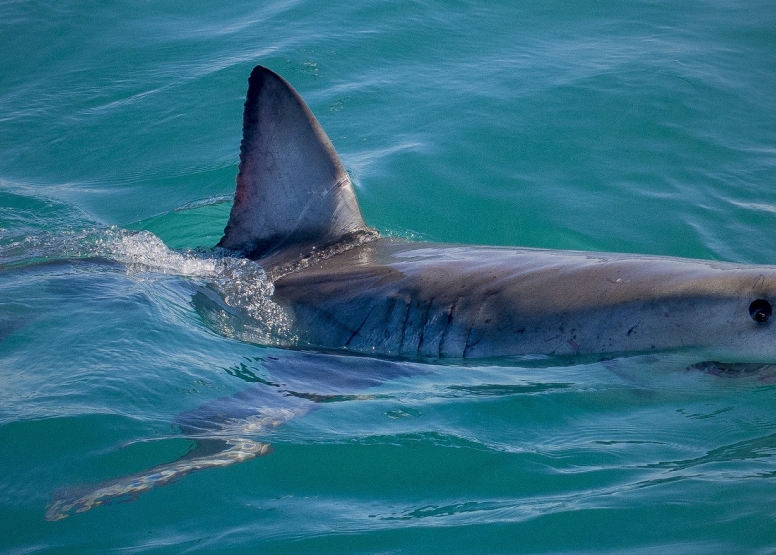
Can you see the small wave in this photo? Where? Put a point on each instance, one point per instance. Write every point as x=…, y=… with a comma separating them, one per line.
x=210, y=201
x=243, y=308
x=138, y=250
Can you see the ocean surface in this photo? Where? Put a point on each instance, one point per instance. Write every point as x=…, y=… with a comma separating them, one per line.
x=638, y=126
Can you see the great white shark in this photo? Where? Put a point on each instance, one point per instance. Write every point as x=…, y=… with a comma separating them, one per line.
x=348, y=289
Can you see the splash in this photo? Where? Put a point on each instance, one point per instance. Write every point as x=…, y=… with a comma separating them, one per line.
x=238, y=289
x=237, y=304
x=138, y=250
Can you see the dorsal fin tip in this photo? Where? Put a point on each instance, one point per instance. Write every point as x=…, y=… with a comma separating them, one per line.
x=291, y=185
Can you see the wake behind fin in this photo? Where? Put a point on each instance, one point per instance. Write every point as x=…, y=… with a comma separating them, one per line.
x=291, y=185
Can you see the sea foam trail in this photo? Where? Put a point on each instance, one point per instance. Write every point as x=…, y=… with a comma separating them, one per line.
x=232, y=294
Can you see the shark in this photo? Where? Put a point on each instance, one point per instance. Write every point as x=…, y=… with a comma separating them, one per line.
x=348, y=288
x=371, y=307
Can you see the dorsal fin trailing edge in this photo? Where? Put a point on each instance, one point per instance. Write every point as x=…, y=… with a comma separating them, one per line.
x=291, y=186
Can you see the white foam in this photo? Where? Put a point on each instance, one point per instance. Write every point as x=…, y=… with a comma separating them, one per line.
x=242, y=285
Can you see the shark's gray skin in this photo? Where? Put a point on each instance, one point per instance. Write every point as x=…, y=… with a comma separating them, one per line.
x=345, y=287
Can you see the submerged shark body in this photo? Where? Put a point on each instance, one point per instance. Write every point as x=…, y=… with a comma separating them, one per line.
x=345, y=287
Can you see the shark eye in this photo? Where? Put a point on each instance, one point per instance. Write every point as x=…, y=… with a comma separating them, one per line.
x=760, y=310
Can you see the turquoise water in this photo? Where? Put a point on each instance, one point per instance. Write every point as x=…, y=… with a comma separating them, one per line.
x=642, y=127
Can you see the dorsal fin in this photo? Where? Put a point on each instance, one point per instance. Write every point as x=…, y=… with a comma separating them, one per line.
x=291, y=186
